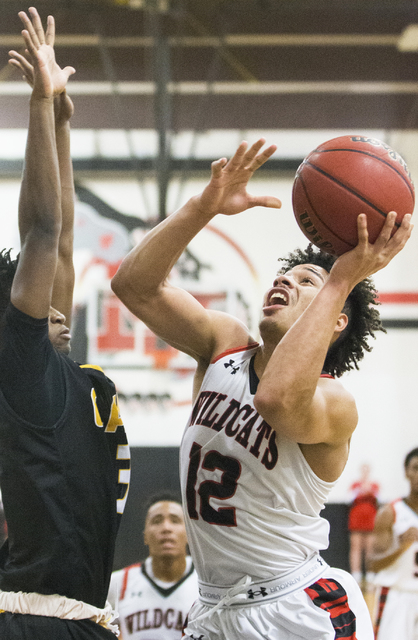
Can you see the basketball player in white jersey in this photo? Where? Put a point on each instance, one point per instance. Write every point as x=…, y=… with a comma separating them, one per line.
x=396, y=562
x=153, y=598
x=270, y=427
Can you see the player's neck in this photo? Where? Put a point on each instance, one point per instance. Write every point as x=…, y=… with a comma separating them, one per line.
x=412, y=501
x=168, y=569
x=262, y=357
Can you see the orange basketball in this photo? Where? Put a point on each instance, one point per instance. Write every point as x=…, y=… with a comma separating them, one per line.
x=344, y=177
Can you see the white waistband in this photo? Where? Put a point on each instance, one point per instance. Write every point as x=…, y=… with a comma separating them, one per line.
x=56, y=606
x=246, y=592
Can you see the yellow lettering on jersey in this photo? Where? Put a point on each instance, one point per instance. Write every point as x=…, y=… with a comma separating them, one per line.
x=115, y=420
x=97, y=418
x=123, y=453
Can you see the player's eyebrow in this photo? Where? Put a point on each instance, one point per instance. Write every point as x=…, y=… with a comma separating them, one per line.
x=317, y=273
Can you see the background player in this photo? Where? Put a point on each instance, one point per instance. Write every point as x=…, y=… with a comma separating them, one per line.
x=270, y=427
x=394, y=559
x=62, y=444
x=361, y=517
x=153, y=598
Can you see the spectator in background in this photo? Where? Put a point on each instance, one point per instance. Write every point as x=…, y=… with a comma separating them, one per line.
x=395, y=554
x=361, y=517
x=154, y=597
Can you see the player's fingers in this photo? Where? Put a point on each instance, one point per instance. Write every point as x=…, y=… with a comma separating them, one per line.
x=236, y=160
x=406, y=223
x=400, y=238
x=261, y=158
x=37, y=25
x=387, y=229
x=391, y=247
x=251, y=153
x=15, y=63
x=362, y=230
x=31, y=46
x=217, y=167
x=21, y=61
x=50, y=31
x=265, y=201
x=68, y=71
x=27, y=75
x=29, y=33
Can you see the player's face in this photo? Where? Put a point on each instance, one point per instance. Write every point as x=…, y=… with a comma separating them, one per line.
x=291, y=293
x=411, y=473
x=165, y=533
x=59, y=334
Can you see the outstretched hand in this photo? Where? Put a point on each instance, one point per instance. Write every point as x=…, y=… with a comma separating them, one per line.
x=366, y=259
x=63, y=105
x=39, y=66
x=227, y=190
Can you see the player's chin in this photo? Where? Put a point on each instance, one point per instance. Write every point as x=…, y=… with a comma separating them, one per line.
x=62, y=347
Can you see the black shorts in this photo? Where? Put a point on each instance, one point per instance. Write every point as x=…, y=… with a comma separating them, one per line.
x=16, y=626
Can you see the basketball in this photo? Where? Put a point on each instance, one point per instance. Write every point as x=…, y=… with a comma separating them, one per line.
x=344, y=177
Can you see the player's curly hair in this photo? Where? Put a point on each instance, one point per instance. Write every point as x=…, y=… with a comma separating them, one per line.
x=409, y=456
x=363, y=318
x=8, y=268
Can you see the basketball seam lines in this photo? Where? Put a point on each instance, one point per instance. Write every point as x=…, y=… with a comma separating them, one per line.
x=371, y=155
x=319, y=217
x=350, y=190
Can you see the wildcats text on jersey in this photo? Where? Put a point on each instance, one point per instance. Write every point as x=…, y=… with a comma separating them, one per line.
x=154, y=619
x=241, y=422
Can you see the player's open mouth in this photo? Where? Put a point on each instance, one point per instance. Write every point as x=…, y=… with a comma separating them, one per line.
x=278, y=298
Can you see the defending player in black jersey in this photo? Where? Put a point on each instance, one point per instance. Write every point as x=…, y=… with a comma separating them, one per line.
x=64, y=458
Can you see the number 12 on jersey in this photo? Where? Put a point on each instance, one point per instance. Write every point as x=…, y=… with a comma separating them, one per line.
x=207, y=489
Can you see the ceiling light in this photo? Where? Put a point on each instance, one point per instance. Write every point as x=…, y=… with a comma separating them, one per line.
x=408, y=40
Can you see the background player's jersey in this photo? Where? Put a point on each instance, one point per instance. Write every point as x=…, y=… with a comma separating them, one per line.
x=64, y=488
x=149, y=610
x=251, y=500
x=403, y=573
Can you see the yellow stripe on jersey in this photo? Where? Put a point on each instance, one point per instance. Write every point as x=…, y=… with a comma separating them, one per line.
x=91, y=366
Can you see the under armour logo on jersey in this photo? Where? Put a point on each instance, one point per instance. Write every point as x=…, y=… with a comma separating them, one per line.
x=261, y=592
x=231, y=364
x=197, y=638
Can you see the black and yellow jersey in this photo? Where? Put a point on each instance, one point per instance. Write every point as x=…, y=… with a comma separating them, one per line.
x=64, y=485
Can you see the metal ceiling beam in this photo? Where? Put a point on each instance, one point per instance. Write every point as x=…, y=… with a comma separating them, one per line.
x=150, y=88
x=232, y=40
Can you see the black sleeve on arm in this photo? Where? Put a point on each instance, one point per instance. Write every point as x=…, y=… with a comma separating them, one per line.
x=31, y=378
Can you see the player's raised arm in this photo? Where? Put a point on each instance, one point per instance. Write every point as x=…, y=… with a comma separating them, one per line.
x=291, y=396
x=141, y=281
x=40, y=218
x=62, y=294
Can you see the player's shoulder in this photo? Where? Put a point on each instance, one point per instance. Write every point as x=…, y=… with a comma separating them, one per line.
x=96, y=374
x=386, y=515
x=336, y=393
x=93, y=370
x=229, y=333
x=118, y=573
x=120, y=577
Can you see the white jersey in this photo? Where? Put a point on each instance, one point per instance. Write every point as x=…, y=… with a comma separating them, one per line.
x=150, y=609
x=403, y=573
x=250, y=498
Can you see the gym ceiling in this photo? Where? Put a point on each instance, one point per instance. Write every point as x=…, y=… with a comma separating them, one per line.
x=228, y=64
